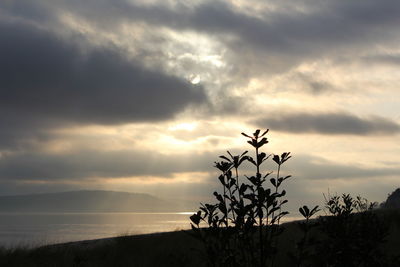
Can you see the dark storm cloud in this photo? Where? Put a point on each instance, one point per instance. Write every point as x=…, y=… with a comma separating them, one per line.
x=46, y=81
x=329, y=123
x=44, y=75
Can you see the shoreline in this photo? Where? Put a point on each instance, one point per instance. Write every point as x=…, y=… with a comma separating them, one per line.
x=171, y=248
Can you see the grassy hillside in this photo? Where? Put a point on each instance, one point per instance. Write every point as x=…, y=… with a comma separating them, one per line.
x=162, y=249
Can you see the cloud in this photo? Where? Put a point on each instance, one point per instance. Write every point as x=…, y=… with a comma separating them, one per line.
x=387, y=58
x=329, y=123
x=86, y=164
x=64, y=63
x=321, y=21
x=48, y=81
x=316, y=168
x=297, y=31
x=254, y=43
x=313, y=85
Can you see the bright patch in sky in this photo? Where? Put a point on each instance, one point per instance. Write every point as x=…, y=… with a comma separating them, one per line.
x=195, y=79
x=183, y=126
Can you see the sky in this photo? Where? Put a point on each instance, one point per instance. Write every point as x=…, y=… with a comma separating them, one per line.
x=143, y=96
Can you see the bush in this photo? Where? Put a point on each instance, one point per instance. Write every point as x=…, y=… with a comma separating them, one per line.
x=243, y=226
x=352, y=234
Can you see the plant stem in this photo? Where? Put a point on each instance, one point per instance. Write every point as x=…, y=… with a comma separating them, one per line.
x=226, y=211
x=260, y=223
x=230, y=195
x=277, y=177
x=273, y=214
x=237, y=183
x=303, y=243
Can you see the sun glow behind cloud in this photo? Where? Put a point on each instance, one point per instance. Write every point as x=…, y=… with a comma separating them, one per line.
x=183, y=126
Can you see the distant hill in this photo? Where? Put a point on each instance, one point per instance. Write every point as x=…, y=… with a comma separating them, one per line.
x=87, y=201
x=393, y=200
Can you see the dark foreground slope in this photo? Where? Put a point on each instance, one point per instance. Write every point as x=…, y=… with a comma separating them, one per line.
x=162, y=249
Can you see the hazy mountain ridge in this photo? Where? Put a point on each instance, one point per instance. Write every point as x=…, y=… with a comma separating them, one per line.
x=87, y=201
x=393, y=200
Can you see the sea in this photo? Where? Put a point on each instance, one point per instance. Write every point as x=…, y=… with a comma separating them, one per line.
x=37, y=229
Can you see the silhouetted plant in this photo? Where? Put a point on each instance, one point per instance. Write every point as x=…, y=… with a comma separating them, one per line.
x=304, y=247
x=242, y=227
x=353, y=234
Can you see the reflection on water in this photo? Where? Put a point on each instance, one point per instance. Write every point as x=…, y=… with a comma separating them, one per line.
x=45, y=228
x=32, y=229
